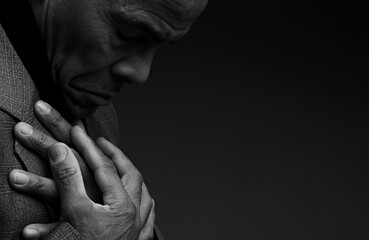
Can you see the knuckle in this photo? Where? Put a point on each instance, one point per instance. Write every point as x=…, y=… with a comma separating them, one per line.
x=39, y=184
x=146, y=207
x=137, y=176
x=64, y=175
x=134, y=183
x=119, y=154
x=133, y=178
x=107, y=164
x=41, y=139
x=149, y=204
x=56, y=119
x=108, y=169
x=128, y=211
x=136, y=193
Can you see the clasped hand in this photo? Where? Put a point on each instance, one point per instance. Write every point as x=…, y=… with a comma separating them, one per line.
x=102, y=195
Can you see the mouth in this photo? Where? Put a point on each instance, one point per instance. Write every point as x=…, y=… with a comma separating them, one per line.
x=95, y=93
x=81, y=102
x=94, y=89
x=83, y=91
x=90, y=97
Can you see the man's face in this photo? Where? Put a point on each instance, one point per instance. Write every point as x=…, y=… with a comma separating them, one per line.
x=95, y=46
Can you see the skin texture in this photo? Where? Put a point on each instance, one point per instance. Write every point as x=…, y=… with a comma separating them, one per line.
x=124, y=210
x=95, y=46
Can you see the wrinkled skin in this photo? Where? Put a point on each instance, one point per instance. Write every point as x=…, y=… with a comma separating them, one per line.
x=101, y=193
x=95, y=46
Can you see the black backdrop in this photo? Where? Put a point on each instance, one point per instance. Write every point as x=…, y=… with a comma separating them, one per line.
x=256, y=125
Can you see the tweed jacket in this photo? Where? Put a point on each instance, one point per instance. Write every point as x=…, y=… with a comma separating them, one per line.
x=17, y=97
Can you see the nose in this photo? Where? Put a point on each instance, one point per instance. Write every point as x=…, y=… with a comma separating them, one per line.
x=136, y=67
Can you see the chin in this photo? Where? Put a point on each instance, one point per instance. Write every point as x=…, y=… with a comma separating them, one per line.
x=77, y=104
x=78, y=113
x=72, y=112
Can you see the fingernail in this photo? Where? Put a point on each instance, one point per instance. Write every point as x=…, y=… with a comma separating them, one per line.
x=43, y=107
x=25, y=129
x=58, y=153
x=20, y=178
x=32, y=233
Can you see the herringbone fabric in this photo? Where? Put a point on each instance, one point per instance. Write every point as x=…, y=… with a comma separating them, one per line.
x=17, y=96
x=64, y=231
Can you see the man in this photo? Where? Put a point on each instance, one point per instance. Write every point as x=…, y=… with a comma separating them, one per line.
x=86, y=52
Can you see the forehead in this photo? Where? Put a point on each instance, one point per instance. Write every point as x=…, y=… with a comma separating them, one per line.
x=168, y=20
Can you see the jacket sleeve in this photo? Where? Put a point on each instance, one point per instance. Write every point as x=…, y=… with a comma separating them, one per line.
x=63, y=231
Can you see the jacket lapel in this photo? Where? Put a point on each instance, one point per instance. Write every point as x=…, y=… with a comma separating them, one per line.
x=17, y=90
x=17, y=97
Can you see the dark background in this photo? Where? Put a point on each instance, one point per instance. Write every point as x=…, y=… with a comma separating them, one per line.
x=256, y=125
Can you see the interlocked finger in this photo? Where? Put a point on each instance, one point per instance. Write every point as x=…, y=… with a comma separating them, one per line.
x=35, y=185
x=121, y=162
x=146, y=204
x=53, y=121
x=147, y=232
x=33, y=138
x=130, y=176
x=67, y=174
x=105, y=173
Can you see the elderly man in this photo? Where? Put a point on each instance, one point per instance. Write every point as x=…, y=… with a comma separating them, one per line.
x=86, y=51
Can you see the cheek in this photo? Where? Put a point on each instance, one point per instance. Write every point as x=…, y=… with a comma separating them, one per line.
x=91, y=46
x=84, y=42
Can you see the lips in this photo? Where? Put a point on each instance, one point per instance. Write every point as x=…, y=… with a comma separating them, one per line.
x=92, y=94
x=95, y=89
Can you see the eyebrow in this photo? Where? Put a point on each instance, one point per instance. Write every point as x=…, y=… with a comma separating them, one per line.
x=156, y=27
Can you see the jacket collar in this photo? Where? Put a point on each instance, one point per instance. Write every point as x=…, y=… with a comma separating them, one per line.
x=17, y=90
x=23, y=43
x=17, y=97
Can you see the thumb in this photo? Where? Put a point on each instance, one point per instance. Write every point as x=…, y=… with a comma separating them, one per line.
x=67, y=174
